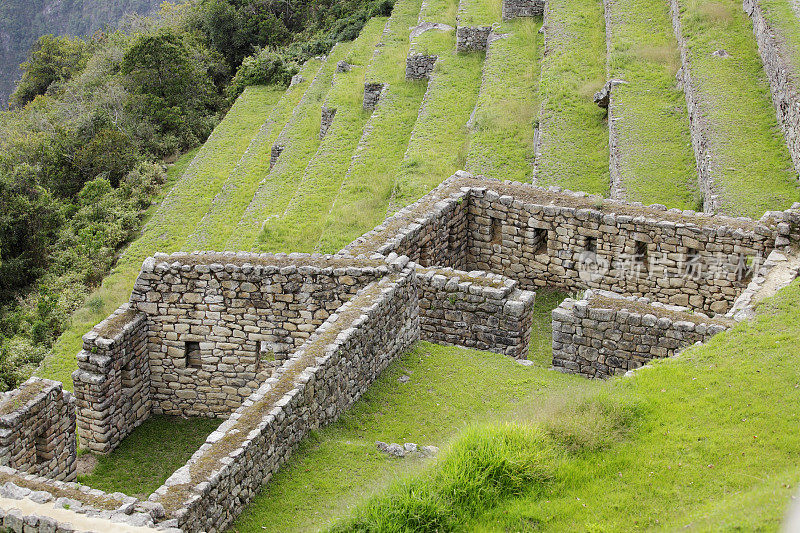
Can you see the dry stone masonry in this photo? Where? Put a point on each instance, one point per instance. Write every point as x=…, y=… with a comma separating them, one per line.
x=328, y=114
x=782, y=74
x=522, y=8
x=281, y=344
x=472, y=38
x=275, y=153
x=37, y=430
x=372, y=95
x=604, y=334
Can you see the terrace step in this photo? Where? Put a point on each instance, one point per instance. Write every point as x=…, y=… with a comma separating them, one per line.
x=501, y=127
x=299, y=226
x=651, y=159
x=572, y=138
x=745, y=168
x=300, y=140
x=229, y=204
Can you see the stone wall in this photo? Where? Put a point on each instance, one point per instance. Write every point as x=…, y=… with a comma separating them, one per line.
x=472, y=38
x=420, y=66
x=698, y=125
x=219, y=324
x=328, y=114
x=573, y=241
x=32, y=503
x=37, y=430
x=112, y=382
x=372, y=95
x=275, y=153
x=782, y=75
x=522, y=8
x=606, y=334
x=476, y=310
x=321, y=380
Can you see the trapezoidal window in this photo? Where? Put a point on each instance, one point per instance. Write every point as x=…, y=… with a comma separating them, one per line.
x=266, y=353
x=496, y=233
x=640, y=254
x=539, y=241
x=193, y=359
x=591, y=245
x=44, y=450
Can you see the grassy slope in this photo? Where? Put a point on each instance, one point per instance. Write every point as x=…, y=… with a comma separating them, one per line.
x=574, y=136
x=340, y=466
x=149, y=455
x=169, y=225
x=439, y=141
x=501, y=136
x=786, y=23
x=705, y=442
x=751, y=168
x=362, y=200
x=220, y=220
x=300, y=225
x=479, y=12
x=301, y=140
x=657, y=162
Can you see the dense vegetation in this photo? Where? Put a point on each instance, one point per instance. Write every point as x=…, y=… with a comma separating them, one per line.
x=23, y=21
x=82, y=151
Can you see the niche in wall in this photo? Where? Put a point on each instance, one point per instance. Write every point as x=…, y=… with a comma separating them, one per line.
x=193, y=359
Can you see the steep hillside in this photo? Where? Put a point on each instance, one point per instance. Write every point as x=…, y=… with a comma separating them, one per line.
x=22, y=22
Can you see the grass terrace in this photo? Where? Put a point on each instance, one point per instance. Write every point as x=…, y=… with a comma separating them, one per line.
x=656, y=160
x=300, y=225
x=438, y=144
x=362, y=200
x=300, y=138
x=573, y=131
x=502, y=125
x=221, y=219
x=783, y=16
x=752, y=170
x=479, y=12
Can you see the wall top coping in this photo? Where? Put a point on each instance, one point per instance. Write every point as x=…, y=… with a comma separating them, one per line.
x=477, y=277
x=266, y=403
x=115, y=326
x=17, y=403
x=245, y=262
x=462, y=185
x=600, y=299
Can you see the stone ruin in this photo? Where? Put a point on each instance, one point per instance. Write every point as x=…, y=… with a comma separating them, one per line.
x=280, y=344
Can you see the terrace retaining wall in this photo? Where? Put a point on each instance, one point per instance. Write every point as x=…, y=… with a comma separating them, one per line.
x=321, y=380
x=782, y=76
x=37, y=429
x=606, y=334
x=472, y=38
x=372, y=95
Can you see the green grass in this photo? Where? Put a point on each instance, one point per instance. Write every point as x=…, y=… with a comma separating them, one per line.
x=656, y=163
x=501, y=136
x=149, y=455
x=704, y=442
x=300, y=225
x=574, y=135
x=438, y=144
x=751, y=168
x=479, y=12
x=300, y=137
x=362, y=200
x=339, y=466
x=443, y=11
x=216, y=226
x=783, y=19
x=168, y=226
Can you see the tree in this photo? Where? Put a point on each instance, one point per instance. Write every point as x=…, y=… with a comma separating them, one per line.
x=53, y=59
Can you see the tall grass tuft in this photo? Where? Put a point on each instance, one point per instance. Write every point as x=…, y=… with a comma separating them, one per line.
x=487, y=465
